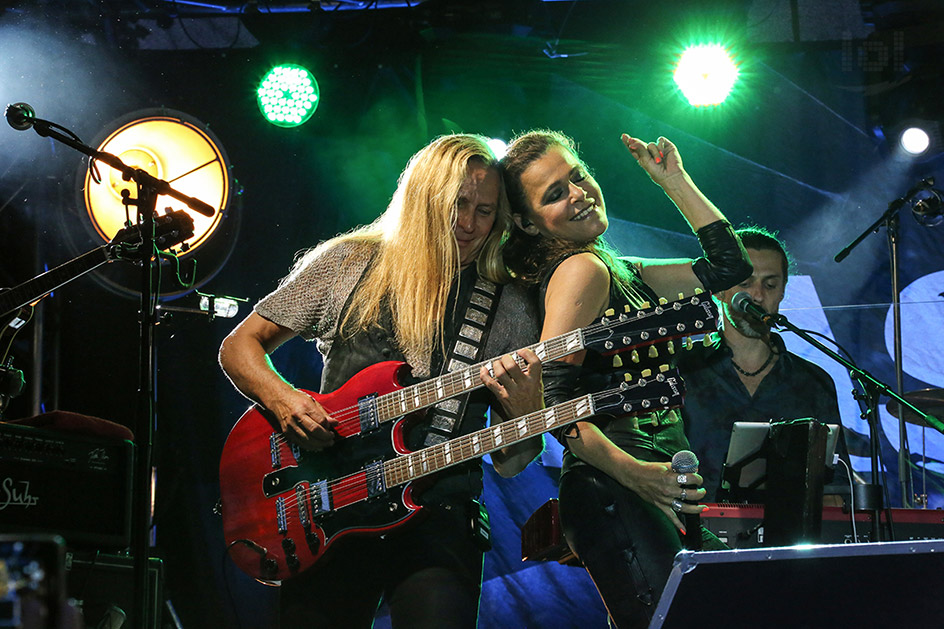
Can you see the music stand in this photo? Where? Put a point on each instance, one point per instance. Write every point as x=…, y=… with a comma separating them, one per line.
x=744, y=473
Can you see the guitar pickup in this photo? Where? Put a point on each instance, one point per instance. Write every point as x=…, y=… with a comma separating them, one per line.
x=367, y=412
x=320, y=498
x=374, y=479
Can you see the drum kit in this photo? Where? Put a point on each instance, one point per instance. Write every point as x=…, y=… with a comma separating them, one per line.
x=931, y=401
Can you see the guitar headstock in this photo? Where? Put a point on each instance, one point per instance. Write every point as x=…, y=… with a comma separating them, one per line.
x=170, y=230
x=643, y=392
x=619, y=332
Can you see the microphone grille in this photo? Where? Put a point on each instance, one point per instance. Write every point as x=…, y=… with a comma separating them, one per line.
x=740, y=300
x=684, y=461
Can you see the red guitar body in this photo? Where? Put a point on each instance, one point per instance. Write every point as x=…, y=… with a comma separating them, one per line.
x=274, y=524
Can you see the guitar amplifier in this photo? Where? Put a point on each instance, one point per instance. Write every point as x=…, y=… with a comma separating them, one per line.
x=99, y=583
x=68, y=484
x=742, y=525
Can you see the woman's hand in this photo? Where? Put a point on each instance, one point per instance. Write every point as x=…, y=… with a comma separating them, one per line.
x=658, y=484
x=660, y=159
x=519, y=391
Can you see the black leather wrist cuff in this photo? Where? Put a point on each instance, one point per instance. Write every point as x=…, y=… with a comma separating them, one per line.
x=725, y=262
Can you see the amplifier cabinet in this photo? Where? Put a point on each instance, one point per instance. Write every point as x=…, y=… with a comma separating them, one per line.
x=741, y=525
x=100, y=582
x=67, y=484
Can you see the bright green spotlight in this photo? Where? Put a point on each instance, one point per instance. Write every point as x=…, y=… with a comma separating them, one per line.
x=288, y=95
x=705, y=74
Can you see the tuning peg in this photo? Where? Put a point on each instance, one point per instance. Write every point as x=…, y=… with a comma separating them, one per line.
x=698, y=291
x=617, y=361
x=634, y=356
x=609, y=312
x=627, y=308
x=653, y=352
x=645, y=305
x=645, y=373
x=663, y=368
x=663, y=301
x=670, y=347
x=681, y=296
x=687, y=343
x=706, y=340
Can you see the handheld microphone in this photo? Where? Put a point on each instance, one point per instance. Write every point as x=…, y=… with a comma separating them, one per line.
x=742, y=302
x=20, y=116
x=685, y=462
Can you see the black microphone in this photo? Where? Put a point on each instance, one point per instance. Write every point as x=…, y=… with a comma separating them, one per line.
x=20, y=116
x=685, y=462
x=742, y=302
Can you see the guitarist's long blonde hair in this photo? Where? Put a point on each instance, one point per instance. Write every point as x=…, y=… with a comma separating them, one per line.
x=418, y=256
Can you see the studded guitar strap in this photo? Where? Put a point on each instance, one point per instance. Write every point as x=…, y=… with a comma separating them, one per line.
x=468, y=349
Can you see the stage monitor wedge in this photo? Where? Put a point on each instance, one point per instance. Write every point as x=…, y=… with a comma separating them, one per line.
x=889, y=584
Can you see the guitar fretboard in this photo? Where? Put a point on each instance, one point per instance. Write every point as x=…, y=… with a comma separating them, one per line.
x=434, y=458
x=429, y=392
x=45, y=283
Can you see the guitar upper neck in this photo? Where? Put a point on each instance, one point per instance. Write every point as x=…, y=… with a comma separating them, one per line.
x=429, y=392
x=43, y=284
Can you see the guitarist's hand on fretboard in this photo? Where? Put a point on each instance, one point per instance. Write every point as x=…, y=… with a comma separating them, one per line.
x=519, y=391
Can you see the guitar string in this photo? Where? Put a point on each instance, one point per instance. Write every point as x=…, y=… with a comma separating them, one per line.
x=355, y=483
x=397, y=469
x=354, y=493
x=349, y=416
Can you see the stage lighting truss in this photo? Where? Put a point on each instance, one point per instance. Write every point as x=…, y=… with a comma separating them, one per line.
x=288, y=95
x=171, y=146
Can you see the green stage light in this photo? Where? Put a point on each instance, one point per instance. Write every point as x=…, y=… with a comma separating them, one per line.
x=705, y=74
x=288, y=95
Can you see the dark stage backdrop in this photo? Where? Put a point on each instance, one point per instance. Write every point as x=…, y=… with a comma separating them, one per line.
x=795, y=154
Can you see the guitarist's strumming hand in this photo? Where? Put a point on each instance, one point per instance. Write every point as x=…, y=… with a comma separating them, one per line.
x=304, y=421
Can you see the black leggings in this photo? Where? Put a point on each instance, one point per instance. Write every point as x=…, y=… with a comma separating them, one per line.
x=626, y=544
x=430, y=577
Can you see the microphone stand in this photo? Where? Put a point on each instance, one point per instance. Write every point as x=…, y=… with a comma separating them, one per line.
x=148, y=189
x=871, y=494
x=890, y=220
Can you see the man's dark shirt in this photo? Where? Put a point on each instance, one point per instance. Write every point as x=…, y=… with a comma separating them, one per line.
x=716, y=398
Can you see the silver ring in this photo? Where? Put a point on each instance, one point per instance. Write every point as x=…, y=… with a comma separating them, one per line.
x=676, y=506
x=682, y=479
x=684, y=495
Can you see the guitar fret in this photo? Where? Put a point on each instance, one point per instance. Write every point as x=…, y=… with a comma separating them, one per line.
x=549, y=416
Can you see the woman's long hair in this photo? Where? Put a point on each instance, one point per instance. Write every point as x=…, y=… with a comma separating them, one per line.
x=417, y=255
x=529, y=257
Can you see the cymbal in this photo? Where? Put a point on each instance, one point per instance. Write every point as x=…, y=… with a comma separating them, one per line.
x=928, y=400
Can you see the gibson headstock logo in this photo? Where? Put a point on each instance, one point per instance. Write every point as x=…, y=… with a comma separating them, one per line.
x=15, y=493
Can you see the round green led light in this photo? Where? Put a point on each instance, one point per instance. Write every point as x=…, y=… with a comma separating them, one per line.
x=288, y=95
